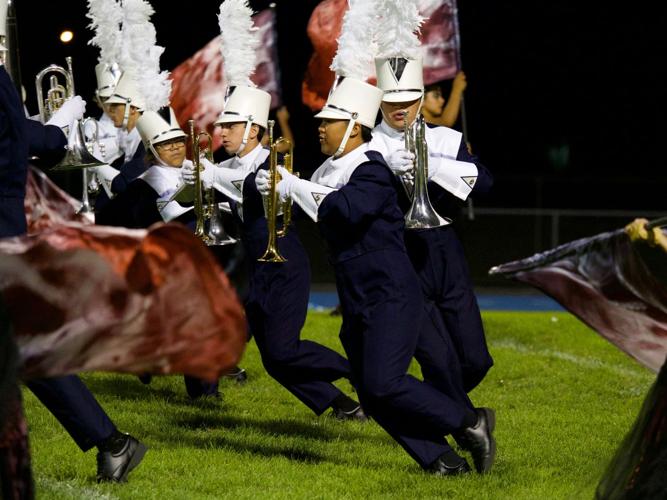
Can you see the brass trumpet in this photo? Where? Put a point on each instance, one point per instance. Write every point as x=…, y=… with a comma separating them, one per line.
x=421, y=214
x=271, y=204
x=216, y=234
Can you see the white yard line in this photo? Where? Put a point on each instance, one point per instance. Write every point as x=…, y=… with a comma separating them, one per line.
x=585, y=362
x=73, y=491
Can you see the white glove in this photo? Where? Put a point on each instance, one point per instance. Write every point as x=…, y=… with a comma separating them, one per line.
x=72, y=109
x=285, y=184
x=207, y=175
x=401, y=161
x=263, y=182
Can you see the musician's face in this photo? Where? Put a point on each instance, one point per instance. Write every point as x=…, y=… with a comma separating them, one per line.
x=434, y=102
x=232, y=137
x=331, y=134
x=117, y=113
x=395, y=113
x=172, y=152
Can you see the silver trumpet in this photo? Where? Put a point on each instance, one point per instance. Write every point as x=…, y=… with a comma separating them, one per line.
x=421, y=215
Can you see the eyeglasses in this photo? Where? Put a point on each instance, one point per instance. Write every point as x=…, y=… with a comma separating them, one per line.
x=169, y=146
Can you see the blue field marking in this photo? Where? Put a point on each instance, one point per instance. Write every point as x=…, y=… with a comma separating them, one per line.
x=487, y=302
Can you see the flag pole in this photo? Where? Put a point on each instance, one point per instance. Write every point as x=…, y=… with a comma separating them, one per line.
x=660, y=222
x=464, y=118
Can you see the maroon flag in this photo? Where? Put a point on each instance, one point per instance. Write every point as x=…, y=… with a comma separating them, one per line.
x=47, y=205
x=199, y=86
x=84, y=297
x=439, y=37
x=616, y=286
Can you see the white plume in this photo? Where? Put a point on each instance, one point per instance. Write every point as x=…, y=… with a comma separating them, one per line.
x=140, y=55
x=106, y=17
x=239, y=41
x=356, y=43
x=400, y=21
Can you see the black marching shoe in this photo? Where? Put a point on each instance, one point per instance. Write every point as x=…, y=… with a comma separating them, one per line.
x=346, y=408
x=354, y=414
x=237, y=374
x=115, y=465
x=479, y=440
x=449, y=466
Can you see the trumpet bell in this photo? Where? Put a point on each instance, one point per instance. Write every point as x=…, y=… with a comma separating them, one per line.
x=217, y=236
x=421, y=216
x=272, y=255
x=77, y=155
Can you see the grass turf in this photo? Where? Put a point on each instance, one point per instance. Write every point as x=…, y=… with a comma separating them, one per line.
x=564, y=400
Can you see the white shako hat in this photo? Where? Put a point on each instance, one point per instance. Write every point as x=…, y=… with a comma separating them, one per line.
x=400, y=78
x=127, y=92
x=246, y=104
x=354, y=100
x=107, y=79
x=159, y=126
x=3, y=20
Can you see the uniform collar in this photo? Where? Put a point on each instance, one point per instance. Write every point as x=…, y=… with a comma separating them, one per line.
x=248, y=162
x=389, y=131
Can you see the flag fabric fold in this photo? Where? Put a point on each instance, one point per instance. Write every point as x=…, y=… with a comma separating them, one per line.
x=616, y=286
x=83, y=297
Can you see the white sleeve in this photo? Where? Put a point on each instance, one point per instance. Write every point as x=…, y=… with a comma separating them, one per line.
x=457, y=177
x=229, y=182
x=308, y=195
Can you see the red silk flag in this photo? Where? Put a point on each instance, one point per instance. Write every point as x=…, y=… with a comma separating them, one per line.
x=439, y=37
x=84, y=297
x=616, y=286
x=198, y=90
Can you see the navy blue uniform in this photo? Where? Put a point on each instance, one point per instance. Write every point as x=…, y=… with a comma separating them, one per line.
x=136, y=207
x=276, y=309
x=67, y=398
x=383, y=311
x=438, y=258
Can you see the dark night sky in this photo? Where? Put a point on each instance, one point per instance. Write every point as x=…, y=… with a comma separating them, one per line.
x=564, y=103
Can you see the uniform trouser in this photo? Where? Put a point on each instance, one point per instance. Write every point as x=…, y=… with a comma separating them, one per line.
x=276, y=316
x=383, y=312
x=75, y=407
x=437, y=256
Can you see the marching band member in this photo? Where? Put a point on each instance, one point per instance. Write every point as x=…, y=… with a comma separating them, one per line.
x=124, y=107
x=353, y=198
x=453, y=174
x=436, y=254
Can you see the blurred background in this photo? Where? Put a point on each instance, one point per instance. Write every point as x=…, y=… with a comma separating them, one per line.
x=564, y=105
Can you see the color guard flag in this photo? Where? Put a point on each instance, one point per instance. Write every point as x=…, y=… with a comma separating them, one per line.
x=615, y=285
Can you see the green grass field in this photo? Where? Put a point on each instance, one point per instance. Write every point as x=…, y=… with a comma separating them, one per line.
x=564, y=399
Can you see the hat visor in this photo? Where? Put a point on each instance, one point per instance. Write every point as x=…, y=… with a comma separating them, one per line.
x=234, y=118
x=401, y=96
x=333, y=114
x=167, y=136
x=116, y=99
x=230, y=118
